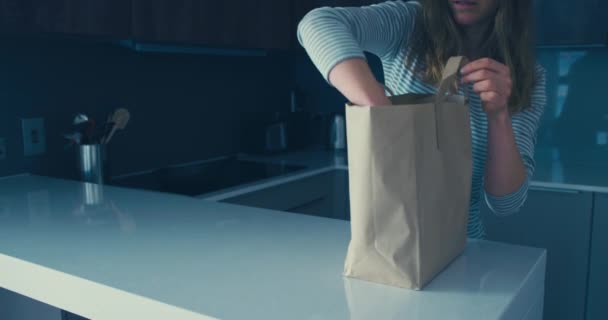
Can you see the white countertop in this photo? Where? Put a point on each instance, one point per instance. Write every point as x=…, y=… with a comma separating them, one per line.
x=144, y=255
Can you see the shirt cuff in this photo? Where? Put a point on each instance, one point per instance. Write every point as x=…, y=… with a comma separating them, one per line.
x=510, y=203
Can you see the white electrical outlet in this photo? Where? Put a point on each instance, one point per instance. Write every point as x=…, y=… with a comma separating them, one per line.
x=34, y=138
x=2, y=149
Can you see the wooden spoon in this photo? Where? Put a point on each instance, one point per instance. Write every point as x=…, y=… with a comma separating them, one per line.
x=120, y=118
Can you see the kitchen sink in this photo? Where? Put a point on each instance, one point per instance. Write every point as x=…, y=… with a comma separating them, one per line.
x=205, y=177
x=324, y=194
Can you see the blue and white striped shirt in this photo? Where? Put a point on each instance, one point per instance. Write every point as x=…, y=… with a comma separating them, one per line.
x=332, y=35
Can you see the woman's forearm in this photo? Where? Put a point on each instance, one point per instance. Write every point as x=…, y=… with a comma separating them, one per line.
x=355, y=80
x=505, y=171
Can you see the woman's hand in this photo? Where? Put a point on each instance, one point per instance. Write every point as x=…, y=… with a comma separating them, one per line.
x=355, y=80
x=379, y=100
x=492, y=80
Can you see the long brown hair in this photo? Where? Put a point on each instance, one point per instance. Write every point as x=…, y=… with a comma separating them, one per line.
x=509, y=40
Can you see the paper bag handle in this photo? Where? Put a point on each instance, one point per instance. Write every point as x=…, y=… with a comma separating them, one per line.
x=448, y=79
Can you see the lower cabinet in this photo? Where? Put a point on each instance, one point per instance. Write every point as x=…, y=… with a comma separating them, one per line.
x=70, y=316
x=14, y=306
x=598, y=278
x=324, y=195
x=335, y=202
x=560, y=221
x=17, y=307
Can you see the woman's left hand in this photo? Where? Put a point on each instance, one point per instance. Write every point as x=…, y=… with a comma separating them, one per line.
x=492, y=80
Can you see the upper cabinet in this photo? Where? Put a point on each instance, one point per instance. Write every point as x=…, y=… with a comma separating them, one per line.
x=16, y=16
x=301, y=7
x=581, y=22
x=240, y=24
x=110, y=18
x=265, y=24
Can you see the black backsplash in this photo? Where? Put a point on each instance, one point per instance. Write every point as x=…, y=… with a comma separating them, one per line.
x=183, y=107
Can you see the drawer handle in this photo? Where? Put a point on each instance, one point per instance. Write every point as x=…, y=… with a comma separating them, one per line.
x=558, y=190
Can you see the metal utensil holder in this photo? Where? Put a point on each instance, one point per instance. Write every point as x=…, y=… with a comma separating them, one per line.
x=91, y=159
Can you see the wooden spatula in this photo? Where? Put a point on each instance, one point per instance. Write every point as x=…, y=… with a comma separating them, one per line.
x=120, y=118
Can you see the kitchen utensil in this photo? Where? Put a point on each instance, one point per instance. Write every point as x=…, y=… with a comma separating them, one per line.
x=80, y=118
x=81, y=125
x=74, y=138
x=89, y=131
x=120, y=118
x=104, y=130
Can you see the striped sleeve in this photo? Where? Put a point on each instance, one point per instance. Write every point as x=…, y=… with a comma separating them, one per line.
x=332, y=35
x=525, y=125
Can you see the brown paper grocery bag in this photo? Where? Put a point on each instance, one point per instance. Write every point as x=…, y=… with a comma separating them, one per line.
x=410, y=183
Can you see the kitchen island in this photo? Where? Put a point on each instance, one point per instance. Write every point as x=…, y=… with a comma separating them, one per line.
x=116, y=253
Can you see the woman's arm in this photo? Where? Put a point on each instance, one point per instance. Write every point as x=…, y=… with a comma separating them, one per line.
x=335, y=39
x=511, y=139
x=354, y=79
x=505, y=171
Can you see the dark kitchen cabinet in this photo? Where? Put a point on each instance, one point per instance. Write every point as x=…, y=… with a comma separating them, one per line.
x=560, y=221
x=304, y=6
x=301, y=8
x=581, y=22
x=262, y=24
x=70, y=316
x=16, y=16
x=233, y=24
x=284, y=197
x=323, y=195
x=14, y=306
x=109, y=18
x=598, y=278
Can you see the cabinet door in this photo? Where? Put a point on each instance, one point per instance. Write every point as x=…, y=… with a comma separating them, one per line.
x=285, y=197
x=237, y=24
x=301, y=8
x=323, y=195
x=571, y=22
x=598, y=278
x=14, y=306
x=16, y=16
x=558, y=220
x=335, y=201
x=99, y=18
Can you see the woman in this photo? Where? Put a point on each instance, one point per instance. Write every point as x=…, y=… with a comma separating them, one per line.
x=414, y=40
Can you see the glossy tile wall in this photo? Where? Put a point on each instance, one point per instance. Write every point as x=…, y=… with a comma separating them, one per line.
x=316, y=94
x=573, y=137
